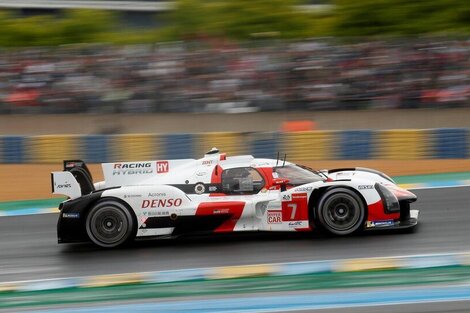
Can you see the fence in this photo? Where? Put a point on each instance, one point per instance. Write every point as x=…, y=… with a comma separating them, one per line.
x=407, y=144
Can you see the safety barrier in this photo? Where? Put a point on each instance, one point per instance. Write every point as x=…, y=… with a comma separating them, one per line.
x=442, y=143
x=312, y=145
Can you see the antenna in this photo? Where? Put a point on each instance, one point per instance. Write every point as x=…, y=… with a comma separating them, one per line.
x=284, y=162
x=277, y=159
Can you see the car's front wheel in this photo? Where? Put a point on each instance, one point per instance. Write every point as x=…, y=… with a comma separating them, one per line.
x=341, y=211
x=110, y=224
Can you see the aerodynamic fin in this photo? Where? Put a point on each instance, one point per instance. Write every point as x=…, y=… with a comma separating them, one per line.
x=64, y=183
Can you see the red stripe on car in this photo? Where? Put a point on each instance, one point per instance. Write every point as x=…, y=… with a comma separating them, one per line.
x=232, y=208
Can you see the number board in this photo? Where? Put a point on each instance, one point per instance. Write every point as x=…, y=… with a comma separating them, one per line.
x=296, y=208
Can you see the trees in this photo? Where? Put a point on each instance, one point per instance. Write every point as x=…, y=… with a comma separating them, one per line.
x=245, y=20
x=77, y=26
x=240, y=19
x=401, y=17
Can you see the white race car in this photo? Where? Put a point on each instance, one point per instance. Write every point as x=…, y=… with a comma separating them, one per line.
x=220, y=194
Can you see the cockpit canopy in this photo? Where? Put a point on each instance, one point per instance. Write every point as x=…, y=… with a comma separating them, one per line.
x=242, y=180
x=297, y=175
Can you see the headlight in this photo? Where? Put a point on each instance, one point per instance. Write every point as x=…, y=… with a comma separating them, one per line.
x=389, y=200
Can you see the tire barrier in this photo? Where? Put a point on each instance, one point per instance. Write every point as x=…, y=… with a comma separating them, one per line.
x=403, y=144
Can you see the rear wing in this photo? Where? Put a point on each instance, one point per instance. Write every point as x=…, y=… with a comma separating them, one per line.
x=74, y=181
x=63, y=183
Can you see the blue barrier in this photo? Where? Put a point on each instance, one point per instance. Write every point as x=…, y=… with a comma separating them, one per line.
x=265, y=145
x=450, y=143
x=444, y=143
x=96, y=148
x=178, y=146
x=13, y=149
x=356, y=144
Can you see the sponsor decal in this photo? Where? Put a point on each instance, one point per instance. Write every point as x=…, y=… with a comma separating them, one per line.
x=201, y=173
x=299, y=196
x=71, y=215
x=156, y=213
x=66, y=185
x=132, y=168
x=207, y=162
x=132, y=196
x=162, y=167
x=365, y=187
x=295, y=224
x=383, y=223
x=156, y=194
x=274, y=217
x=261, y=164
x=162, y=203
x=199, y=188
x=222, y=211
x=299, y=189
x=286, y=197
x=212, y=188
x=131, y=165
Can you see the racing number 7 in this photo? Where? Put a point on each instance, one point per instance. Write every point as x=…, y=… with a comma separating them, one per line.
x=296, y=209
x=293, y=206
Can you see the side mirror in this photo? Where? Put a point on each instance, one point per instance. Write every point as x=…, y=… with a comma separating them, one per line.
x=282, y=182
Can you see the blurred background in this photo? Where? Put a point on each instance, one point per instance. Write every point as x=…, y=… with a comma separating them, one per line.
x=340, y=83
x=232, y=56
x=376, y=81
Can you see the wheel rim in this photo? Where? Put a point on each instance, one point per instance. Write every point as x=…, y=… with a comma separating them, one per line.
x=109, y=225
x=341, y=212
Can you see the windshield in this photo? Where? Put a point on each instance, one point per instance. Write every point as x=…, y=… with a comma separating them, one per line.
x=297, y=175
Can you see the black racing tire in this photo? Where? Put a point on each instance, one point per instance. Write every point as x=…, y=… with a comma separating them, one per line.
x=110, y=224
x=341, y=212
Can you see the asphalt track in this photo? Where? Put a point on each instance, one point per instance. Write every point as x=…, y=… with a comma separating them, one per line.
x=29, y=250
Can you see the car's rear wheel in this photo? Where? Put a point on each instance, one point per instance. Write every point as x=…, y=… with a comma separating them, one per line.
x=341, y=211
x=110, y=224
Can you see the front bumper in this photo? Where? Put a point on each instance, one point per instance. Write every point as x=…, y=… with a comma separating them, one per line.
x=410, y=222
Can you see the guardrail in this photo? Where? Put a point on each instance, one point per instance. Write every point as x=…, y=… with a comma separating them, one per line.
x=407, y=144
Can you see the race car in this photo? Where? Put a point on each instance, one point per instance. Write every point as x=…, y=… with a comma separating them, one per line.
x=223, y=194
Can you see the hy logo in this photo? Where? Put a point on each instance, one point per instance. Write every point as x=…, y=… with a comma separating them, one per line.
x=162, y=167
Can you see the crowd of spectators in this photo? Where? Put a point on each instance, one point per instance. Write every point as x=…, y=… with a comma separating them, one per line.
x=227, y=77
